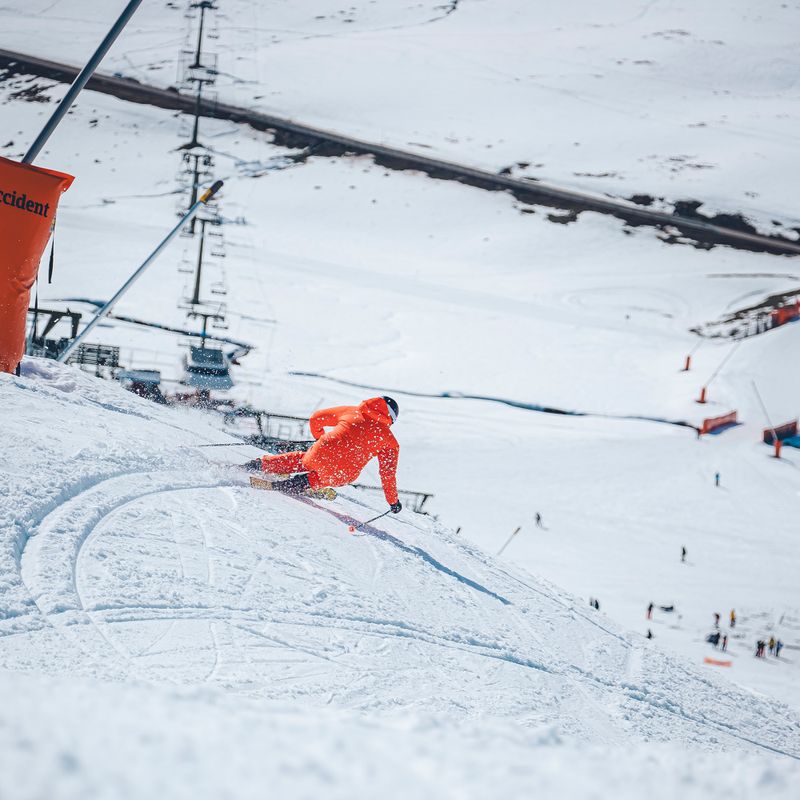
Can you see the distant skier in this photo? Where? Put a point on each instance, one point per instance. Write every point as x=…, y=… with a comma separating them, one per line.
x=649, y=634
x=778, y=648
x=716, y=620
x=683, y=555
x=539, y=520
x=359, y=434
x=772, y=645
x=725, y=643
x=716, y=479
x=650, y=611
x=733, y=618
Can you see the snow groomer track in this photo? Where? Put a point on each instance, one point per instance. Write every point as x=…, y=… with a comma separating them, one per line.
x=321, y=142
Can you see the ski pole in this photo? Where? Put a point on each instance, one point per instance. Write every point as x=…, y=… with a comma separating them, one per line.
x=225, y=444
x=362, y=524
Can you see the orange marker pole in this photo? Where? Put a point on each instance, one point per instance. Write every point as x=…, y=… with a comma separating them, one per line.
x=702, y=398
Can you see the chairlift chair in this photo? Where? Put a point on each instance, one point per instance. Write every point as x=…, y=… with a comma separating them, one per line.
x=207, y=368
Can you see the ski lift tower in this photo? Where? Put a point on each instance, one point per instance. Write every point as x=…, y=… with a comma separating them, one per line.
x=197, y=74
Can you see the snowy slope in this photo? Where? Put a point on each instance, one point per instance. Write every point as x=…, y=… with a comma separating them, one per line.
x=399, y=282
x=252, y=634
x=393, y=280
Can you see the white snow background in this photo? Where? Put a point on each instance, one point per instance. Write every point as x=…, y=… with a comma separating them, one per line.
x=164, y=631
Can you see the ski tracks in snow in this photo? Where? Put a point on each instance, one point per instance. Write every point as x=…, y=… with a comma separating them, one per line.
x=165, y=576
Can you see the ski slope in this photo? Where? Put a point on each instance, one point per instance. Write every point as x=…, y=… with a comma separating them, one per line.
x=341, y=268
x=227, y=638
x=138, y=576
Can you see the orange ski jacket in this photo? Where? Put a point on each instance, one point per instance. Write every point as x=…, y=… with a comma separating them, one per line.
x=359, y=434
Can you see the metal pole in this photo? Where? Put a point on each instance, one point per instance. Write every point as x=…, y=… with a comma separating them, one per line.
x=203, y=334
x=195, y=185
x=80, y=82
x=500, y=551
x=197, y=63
x=764, y=409
x=101, y=312
x=723, y=362
x=196, y=296
x=196, y=127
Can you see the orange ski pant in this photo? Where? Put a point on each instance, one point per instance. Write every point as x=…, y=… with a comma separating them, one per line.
x=289, y=464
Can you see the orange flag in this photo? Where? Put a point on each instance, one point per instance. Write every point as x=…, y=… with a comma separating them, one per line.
x=28, y=200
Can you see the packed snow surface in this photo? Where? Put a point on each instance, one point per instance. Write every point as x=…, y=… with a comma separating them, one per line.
x=166, y=628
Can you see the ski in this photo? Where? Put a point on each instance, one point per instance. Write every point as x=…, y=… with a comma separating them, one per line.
x=317, y=494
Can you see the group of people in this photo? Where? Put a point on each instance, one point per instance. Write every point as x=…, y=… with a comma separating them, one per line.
x=775, y=646
x=665, y=609
x=732, y=618
x=716, y=637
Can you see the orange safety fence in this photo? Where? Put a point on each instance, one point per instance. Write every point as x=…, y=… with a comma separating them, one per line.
x=28, y=200
x=785, y=431
x=713, y=423
x=715, y=662
x=784, y=314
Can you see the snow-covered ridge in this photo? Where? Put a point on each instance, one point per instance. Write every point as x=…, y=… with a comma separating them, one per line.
x=127, y=556
x=628, y=96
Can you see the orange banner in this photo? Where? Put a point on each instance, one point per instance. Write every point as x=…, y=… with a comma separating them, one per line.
x=28, y=200
x=714, y=423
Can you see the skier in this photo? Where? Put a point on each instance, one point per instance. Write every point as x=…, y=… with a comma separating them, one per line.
x=778, y=648
x=683, y=555
x=772, y=645
x=716, y=619
x=359, y=433
x=650, y=611
x=725, y=643
x=539, y=520
x=733, y=618
x=716, y=479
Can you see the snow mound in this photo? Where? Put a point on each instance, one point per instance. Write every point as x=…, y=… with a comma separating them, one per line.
x=225, y=626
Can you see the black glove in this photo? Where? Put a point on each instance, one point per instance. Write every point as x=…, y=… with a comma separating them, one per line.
x=396, y=507
x=256, y=465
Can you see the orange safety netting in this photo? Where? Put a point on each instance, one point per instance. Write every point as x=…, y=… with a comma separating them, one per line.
x=28, y=200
